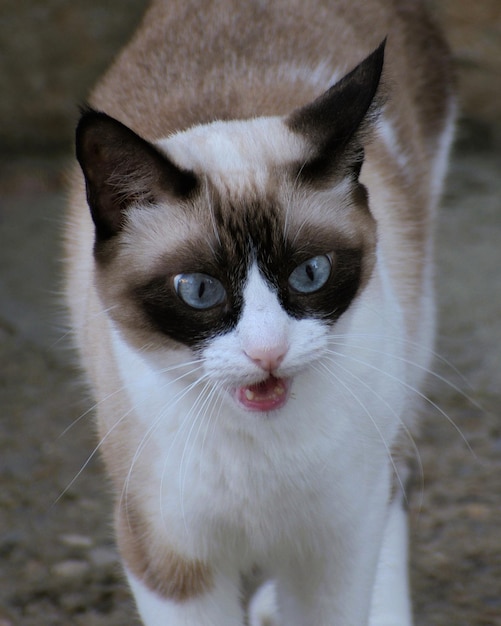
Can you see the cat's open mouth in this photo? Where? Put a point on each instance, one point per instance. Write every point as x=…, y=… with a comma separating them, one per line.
x=268, y=395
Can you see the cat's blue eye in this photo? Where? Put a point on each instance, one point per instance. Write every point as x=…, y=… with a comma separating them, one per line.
x=199, y=290
x=311, y=275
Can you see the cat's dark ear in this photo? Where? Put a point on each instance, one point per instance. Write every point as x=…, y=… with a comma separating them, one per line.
x=336, y=122
x=121, y=169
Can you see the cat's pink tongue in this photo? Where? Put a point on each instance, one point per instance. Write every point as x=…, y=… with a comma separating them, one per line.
x=268, y=395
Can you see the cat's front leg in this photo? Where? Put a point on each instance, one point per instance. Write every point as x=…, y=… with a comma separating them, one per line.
x=171, y=588
x=391, y=605
x=218, y=605
x=334, y=586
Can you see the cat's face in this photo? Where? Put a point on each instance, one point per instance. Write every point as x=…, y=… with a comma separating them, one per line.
x=253, y=288
x=240, y=244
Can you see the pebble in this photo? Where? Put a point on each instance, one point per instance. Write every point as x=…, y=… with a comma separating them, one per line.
x=73, y=602
x=71, y=568
x=103, y=557
x=77, y=541
x=478, y=511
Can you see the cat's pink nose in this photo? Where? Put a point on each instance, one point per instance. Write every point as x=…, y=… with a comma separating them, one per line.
x=268, y=358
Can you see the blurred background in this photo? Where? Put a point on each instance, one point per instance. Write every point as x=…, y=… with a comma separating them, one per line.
x=58, y=564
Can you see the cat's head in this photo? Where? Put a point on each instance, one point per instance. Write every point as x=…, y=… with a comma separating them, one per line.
x=243, y=242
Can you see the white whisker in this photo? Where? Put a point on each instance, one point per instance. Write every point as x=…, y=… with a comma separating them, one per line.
x=347, y=342
x=373, y=421
x=411, y=388
x=290, y=191
x=200, y=418
x=210, y=207
x=155, y=424
x=403, y=425
x=91, y=456
x=96, y=405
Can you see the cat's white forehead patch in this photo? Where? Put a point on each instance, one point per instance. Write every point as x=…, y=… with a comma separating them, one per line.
x=235, y=154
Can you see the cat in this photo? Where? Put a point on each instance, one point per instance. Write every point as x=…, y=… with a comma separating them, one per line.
x=249, y=275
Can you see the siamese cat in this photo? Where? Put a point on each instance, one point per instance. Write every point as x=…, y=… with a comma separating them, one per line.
x=249, y=272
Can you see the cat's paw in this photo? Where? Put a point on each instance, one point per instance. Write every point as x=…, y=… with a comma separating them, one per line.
x=263, y=606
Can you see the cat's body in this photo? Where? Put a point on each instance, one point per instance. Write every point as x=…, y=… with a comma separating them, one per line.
x=255, y=325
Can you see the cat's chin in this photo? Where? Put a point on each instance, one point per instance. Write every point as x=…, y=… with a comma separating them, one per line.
x=268, y=395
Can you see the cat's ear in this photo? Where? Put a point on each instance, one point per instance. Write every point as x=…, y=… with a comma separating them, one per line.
x=121, y=169
x=336, y=122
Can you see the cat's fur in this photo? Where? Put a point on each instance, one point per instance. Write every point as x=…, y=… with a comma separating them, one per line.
x=256, y=168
